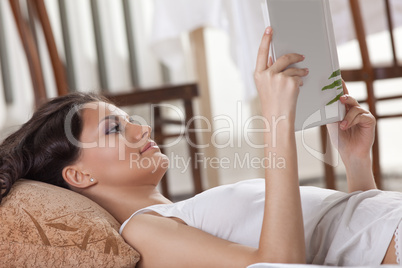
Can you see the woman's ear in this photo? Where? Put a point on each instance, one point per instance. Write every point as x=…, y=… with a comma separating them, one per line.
x=76, y=178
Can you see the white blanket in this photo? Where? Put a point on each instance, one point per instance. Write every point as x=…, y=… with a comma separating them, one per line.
x=280, y=265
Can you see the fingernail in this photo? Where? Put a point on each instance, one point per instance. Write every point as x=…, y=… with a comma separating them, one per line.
x=344, y=124
x=345, y=97
x=268, y=30
x=307, y=70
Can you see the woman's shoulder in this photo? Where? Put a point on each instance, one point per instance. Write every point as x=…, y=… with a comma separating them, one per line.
x=151, y=210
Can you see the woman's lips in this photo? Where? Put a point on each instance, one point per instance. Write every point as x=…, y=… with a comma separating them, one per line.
x=148, y=146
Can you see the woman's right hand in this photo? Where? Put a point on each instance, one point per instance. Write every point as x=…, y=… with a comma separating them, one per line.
x=278, y=85
x=278, y=88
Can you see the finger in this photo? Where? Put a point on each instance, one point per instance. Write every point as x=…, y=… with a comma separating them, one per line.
x=284, y=61
x=270, y=62
x=345, y=89
x=364, y=120
x=349, y=100
x=263, y=51
x=298, y=81
x=296, y=72
x=351, y=116
x=345, y=92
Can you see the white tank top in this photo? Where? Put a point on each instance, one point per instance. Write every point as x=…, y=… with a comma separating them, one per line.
x=340, y=228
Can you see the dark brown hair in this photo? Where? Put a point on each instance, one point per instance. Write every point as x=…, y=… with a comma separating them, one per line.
x=40, y=149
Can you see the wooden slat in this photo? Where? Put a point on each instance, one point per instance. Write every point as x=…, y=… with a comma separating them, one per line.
x=31, y=52
x=389, y=116
x=58, y=68
x=390, y=98
x=5, y=62
x=329, y=170
x=100, y=49
x=195, y=169
x=130, y=34
x=395, y=97
x=66, y=31
x=170, y=121
x=387, y=72
x=368, y=72
x=188, y=91
x=379, y=73
x=390, y=29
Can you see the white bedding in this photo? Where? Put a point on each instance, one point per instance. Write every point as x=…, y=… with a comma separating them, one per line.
x=280, y=265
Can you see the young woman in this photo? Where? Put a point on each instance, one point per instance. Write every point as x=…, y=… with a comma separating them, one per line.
x=84, y=143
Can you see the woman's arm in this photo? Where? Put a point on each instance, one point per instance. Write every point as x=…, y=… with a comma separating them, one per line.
x=164, y=242
x=359, y=174
x=278, y=89
x=354, y=137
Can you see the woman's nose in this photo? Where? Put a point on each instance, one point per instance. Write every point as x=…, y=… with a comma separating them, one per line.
x=136, y=133
x=146, y=131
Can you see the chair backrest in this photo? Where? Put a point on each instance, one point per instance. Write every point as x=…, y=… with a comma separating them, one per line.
x=37, y=32
x=26, y=28
x=369, y=73
x=36, y=28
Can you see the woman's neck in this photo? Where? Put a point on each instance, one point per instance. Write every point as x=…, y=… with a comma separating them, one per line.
x=122, y=204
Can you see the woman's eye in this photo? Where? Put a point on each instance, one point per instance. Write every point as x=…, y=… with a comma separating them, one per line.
x=114, y=129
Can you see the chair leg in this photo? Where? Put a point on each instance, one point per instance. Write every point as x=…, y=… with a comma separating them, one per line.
x=376, y=162
x=371, y=101
x=164, y=183
x=329, y=170
x=158, y=132
x=196, y=172
x=369, y=78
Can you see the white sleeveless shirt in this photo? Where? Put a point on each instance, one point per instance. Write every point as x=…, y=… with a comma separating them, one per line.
x=340, y=228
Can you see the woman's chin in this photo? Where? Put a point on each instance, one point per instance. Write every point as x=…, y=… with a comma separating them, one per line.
x=161, y=163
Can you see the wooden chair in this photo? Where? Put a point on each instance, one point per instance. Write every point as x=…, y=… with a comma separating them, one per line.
x=369, y=74
x=185, y=93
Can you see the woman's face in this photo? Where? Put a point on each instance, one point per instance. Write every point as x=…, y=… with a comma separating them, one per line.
x=116, y=151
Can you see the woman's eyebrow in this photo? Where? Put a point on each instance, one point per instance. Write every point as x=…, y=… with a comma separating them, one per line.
x=115, y=117
x=110, y=117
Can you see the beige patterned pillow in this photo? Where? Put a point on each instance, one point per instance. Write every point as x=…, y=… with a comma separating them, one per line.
x=42, y=225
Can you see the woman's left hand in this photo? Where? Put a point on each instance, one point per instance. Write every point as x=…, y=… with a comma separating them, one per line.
x=354, y=136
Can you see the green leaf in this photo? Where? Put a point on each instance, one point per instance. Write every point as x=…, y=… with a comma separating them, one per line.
x=335, y=74
x=337, y=83
x=335, y=99
x=339, y=88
